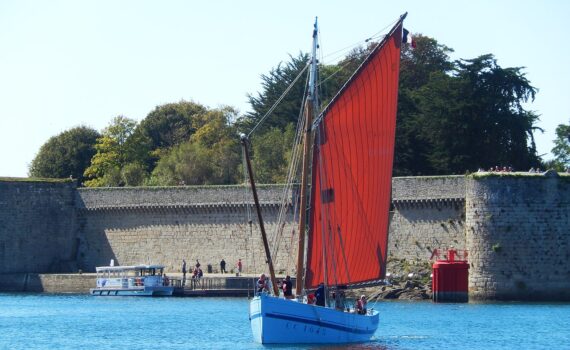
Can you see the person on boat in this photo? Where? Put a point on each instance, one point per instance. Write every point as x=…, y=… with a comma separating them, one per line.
x=223, y=266
x=165, y=280
x=339, y=299
x=311, y=299
x=361, y=305
x=320, y=294
x=262, y=285
x=287, y=287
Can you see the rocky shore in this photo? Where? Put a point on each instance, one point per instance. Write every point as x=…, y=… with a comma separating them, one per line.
x=406, y=281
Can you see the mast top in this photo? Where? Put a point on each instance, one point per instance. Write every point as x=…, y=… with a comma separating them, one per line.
x=312, y=93
x=316, y=29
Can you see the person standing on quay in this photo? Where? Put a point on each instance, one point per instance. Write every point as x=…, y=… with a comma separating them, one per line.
x=183, y=272
x=239, y=267
x=223, y=266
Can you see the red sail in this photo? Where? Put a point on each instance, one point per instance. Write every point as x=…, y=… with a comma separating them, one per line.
x=352, y=173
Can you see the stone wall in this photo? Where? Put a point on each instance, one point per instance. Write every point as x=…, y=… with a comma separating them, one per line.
x=37, y=226
x=166, y=225
x=518, y=235
x=47, y=283
x=415, y=231
x=428, y=214
x=172, y=197
x=514, y=226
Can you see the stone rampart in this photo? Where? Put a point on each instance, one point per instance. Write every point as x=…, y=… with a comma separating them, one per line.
x=518, y=235
x=514, y=226
x=166, y=225
x=37, y=226
x=47, y=283
x=172, y=197
x=428, y=214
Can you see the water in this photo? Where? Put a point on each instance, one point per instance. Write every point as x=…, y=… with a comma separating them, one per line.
x=37, y=321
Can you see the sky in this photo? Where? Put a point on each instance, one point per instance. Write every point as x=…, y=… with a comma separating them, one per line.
x=66, y=63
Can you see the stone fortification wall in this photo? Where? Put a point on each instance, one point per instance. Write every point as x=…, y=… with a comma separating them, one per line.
x=515, y=227
x=47, y=283
x=428, y=188
x=37, y=226
x=166, y=225
x=428, y=214
x=518, y=235
x=172, y=197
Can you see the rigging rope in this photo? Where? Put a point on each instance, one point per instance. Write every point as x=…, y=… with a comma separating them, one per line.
x=341, y=52
x=287, y=190
x=278, y=101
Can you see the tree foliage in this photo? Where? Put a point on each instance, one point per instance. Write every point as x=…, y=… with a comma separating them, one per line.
x=114, y=151
x=461, y=115
x=561, y=148
x=272, y=154
x=453, y=116
x=211, y=156
x=67, y=154
x=273, y=85
x=166, y=126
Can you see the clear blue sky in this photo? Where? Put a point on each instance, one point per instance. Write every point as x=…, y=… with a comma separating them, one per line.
x=68, y=63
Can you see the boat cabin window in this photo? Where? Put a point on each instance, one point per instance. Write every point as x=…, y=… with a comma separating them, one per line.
x=130, y=272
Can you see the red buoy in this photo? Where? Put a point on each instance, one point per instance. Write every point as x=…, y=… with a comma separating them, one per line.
x=450, y=281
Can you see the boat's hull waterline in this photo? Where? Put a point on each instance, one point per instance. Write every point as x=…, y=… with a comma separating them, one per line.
x=277, y=321
x=151, y=291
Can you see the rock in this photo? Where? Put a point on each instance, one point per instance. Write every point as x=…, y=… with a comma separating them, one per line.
x=413, y=295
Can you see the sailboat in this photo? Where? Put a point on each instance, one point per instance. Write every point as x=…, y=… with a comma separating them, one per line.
x=344, y=205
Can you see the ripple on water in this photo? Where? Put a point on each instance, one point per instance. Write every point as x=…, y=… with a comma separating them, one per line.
x=37, y=321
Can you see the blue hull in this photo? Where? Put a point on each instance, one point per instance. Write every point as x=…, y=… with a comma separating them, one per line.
x=281, y=321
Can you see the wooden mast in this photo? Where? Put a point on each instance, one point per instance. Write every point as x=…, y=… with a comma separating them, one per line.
x=310, y=104
x=259, y=217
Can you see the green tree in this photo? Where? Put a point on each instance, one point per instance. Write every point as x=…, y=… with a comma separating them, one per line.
x=458, y=116
x=428, y=60
x=113, y=152
x=186, y=164
x=166, y=126
x=67, y=154
x=211, y=156
x=273, y=85
x=561, y=148
x=272, y=154
x=221, y=138
x=492, y=124
x=134, y=174
x=419, y=63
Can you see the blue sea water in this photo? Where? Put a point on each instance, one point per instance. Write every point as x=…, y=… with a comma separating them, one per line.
x=41, y=321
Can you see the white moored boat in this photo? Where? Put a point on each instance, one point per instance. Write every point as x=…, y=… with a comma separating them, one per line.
x=343, y=205
x=138, y=280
